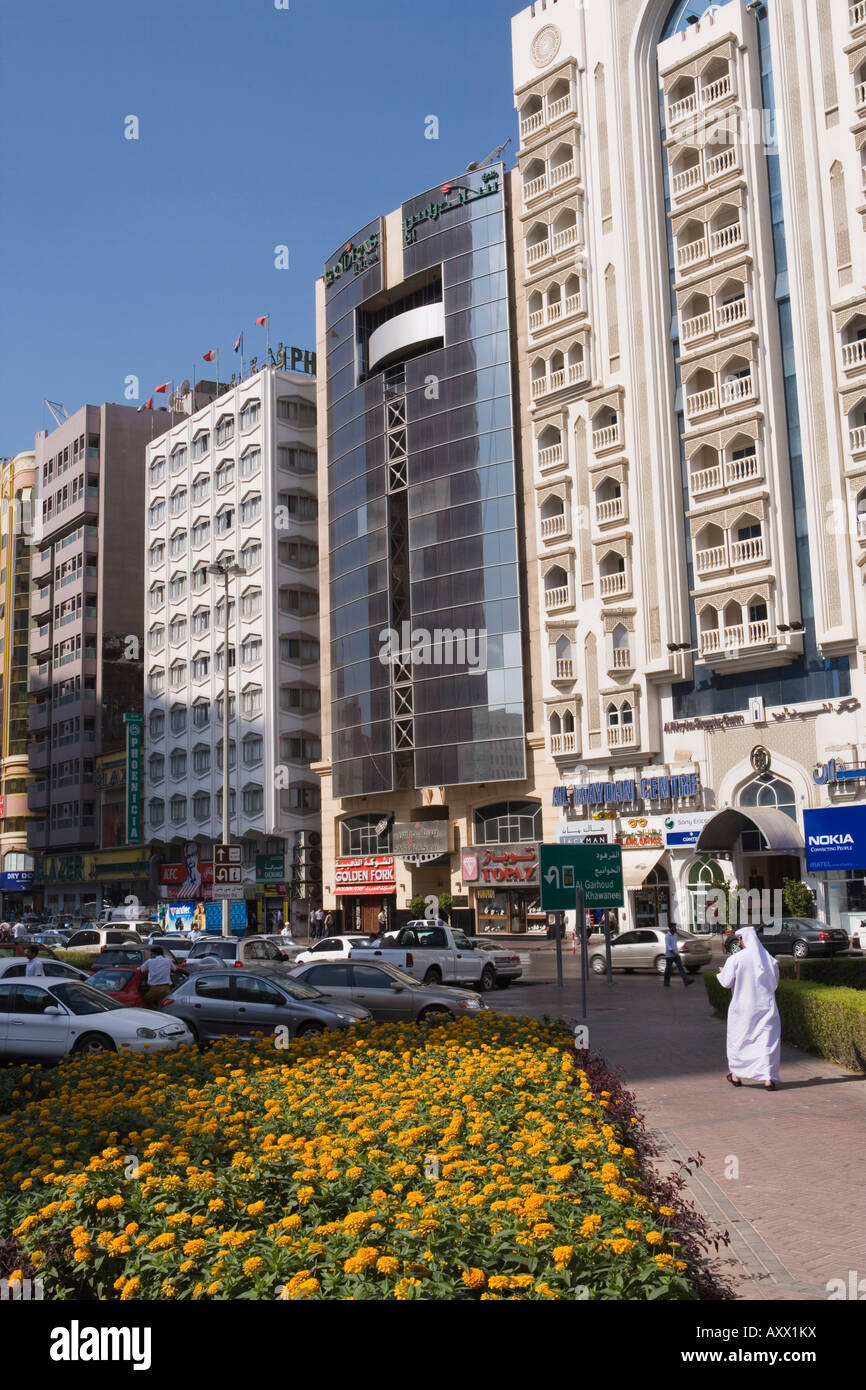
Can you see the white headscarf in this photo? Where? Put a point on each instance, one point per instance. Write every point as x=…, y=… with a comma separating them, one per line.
x=757, y=964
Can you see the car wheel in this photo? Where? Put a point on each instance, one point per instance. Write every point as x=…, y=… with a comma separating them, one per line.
x=432, y=1011
x=732, y=946
x=94, y=1042
x=598, y=965
x=433, y=976
x=310, y=1030
x=801, y=950
x=659, y=965
x=488, y=979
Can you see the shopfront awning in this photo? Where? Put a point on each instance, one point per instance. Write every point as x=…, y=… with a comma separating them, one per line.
x=781, y=832
x=636, y=864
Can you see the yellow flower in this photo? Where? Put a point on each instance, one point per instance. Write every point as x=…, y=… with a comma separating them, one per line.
x=163, y=1241
x=356, y=1264
x=474, y=1278
x=195, y=1247
x=387, y=1264
x=130, y=1289
x=562, y=1255
x=252, y=1265
x=256, y=1208
x=561, y=1172
x=654, y=1238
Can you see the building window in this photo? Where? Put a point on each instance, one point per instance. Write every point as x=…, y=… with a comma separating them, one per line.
x=177, y=630
x=225, y=474
x=225, y=429
x=200, y=759
x=201, y=488
x=177, y=545
x=177, y=810
x=251, y=700
x=156, y=639
x=304, y=602
x=251, y=556
x=219, y=804
x=225, y=520
x=218, y=704
x=177, y=586
x=201, y=806
x=178, y=719
x=156, y=512
x=219, y=659
x=200, y=666
x=298, y=748
x=299, y=697
x=156, y=681
x=253, y=800
x=251, y=462
x=220, y=612
x=200, y=445
x=506, y=822
x=298, y=554
x=251, y=414
x=295, y=460
x=301, y=798
x=200, y=621
x=177, y=677
x=156, y=723
x=251, y=651
x=156, y=767
x=201, y=714
x=232, y=753
x=177, y=763
x=156, y=596
x=178, y=460
x=766, y=790
x=156, y=811
x=299, y=505
x=299, y=649
x=251, y=508
x=156, y=472
x=251, y=603
x=297, y=411
x=199, y=579
x=177, y=501
x=254, y=749
x=201, y=532
x=156, y=554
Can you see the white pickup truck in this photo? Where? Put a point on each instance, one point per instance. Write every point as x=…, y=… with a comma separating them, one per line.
x=438, y=954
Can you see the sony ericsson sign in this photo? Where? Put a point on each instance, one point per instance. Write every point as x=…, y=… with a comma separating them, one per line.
x=628, y=790
x=354, y=258
x=835, y=839
x=453, y=196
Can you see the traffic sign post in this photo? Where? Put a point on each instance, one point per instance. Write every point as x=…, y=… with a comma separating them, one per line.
x=590, y=876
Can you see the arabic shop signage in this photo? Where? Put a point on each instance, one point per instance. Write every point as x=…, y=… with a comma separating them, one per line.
x=833, y=772
x=718, y=723
x=133, y=724
x=420, y=837
x=270, y=868
x=354, y=258
x=500, y=864
x=629, y=790
x=365, y=875
x=453, y=196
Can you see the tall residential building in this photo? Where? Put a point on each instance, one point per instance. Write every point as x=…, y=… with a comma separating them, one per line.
x=681, y=276
x=236, y=483
x=693, y=276
x=85, y=642
x=17, y=478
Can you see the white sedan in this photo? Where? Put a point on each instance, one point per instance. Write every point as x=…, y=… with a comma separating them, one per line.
x=42, y=1017
x=15, y=967
x=333, y=948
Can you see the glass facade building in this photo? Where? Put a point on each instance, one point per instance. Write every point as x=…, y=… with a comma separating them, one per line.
x=426, y=637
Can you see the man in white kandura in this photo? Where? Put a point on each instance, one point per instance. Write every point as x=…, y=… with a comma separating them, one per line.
x=754, y=1030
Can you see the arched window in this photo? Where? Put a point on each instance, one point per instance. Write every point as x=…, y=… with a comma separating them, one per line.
x=704, y=876
x=358, y=836
x=506, y=822
x=769, y=791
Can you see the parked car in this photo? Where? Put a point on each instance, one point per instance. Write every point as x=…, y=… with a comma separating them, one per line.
x=388, y=992
x=125, y=984
x=221, y=1003
x=260, y=953
x=335, y=948
x=50, y=1018
x=644, y=949
x=18, y=948
x=56, y=939
x=97, y=938
x=798, y=937
x=439, y=954
x=15, y=967
x=177, y=946
x=131, y=956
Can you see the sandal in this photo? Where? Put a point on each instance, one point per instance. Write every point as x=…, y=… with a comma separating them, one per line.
x=769, y=1085
x=733, y=1082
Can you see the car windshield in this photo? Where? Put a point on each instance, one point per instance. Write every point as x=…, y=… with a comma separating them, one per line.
x=298, y=990
x=83, y=999
x=227, y=950
x=110, y=979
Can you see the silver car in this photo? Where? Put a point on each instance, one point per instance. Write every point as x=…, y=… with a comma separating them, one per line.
x=241, y=1004
x=644, y=949
x=387, y=991
x=267, y=955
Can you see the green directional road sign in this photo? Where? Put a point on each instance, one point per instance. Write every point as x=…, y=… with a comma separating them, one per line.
x=565, y=867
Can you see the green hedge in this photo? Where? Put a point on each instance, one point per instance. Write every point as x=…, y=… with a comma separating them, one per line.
x=83, y=959
x=827, y=1019
x=840, y=970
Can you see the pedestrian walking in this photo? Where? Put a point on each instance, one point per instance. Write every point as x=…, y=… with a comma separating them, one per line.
x=329, y=923
x=672, y=957
x=5, y=931
x=156, y=974
x=754, y=1039
x=34, y=964
x=19, y=931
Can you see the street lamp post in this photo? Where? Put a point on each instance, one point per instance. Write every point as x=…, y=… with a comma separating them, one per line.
x=226, y=570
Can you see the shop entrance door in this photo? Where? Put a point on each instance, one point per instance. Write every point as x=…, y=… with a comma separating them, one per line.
x=370, y=916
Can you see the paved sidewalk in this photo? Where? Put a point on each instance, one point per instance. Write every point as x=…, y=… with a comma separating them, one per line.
x=782, y=1170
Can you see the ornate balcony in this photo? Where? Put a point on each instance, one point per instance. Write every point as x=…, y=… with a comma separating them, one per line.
x=621, y=736
x=610, y=437
x=552, y=526
x=612, y=510
x=735, y=639
x=854, y=355
x=555, y=599
x=738, y=391
x=858, y=440
x=564, y=669
x=702, y=403
x=726, y=239
x=610, y=585
x=563, y=743
x=555, y=313
x=553, y=457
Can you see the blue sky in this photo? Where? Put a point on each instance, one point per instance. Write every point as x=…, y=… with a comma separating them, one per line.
x=258, y=127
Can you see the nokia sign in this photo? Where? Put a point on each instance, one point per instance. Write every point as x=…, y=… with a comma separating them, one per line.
x=835, y=839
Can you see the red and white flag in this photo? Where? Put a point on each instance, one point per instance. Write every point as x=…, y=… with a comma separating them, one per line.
x=163, y=388
x=263, y=321
x=239, y=343
x=148, y=405
x=211, y=356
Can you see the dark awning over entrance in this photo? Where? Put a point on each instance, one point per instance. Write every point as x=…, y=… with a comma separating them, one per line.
x=781, y=832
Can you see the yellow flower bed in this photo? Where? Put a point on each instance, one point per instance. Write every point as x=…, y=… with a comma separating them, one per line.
x=470, y=1160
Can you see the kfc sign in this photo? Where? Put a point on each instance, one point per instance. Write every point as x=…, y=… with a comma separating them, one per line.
x=187, y=880
x=365, y=875
x=500, y=864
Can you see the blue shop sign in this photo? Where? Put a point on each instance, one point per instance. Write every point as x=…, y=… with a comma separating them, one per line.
x=835, y=839
x=16, y=881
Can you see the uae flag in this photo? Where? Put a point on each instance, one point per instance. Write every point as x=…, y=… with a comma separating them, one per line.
x=263, y=321
x=210, y=356
x=163, y=388
x=148, y=405
x=239, y=343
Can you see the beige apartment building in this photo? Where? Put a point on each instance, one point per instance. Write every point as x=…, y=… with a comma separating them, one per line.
x=686, y=335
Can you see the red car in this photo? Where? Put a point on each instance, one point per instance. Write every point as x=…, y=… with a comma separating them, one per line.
x=123, y=983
